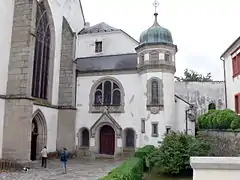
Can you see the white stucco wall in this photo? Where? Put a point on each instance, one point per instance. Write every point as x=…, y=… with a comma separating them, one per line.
x=71, y=10
x=133, y=94
x=233, y=84
x=135, y=105
x=180, y=118
x=6, y=19
x=219, y=168
x=51, y=117
x=112, y=43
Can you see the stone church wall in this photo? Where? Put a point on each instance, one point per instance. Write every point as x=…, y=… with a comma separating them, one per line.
x=201, y=94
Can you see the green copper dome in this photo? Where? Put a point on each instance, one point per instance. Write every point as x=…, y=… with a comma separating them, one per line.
x=156, y=34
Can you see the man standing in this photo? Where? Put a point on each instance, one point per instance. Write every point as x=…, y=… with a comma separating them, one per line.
x=44, y=157
x=64, y=159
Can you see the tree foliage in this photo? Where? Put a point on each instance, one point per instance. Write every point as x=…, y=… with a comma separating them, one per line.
x=173, y=155
x=191, y=75
x=219, y=119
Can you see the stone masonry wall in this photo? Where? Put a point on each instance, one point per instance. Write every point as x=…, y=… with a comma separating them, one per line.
x=67, y=83
x=201, y=94
x=223, y=143
x=67, y=77
x=18, y=104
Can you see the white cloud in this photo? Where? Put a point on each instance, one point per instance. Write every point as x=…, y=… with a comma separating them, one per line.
x=202, y=29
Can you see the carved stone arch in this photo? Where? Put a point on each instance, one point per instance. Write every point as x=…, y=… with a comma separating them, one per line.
x=40, y=14
x=155, y=107
x=111, y=108
x=129, y=138
x=83, y=137
x=39, y=133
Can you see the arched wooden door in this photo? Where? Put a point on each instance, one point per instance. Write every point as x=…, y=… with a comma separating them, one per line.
x=107, y=140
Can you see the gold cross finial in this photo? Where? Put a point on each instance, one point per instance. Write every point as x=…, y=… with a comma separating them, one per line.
x=155, y=4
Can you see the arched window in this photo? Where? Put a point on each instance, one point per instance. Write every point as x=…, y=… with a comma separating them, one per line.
x=155, y=98
x=41, y=54
x=85, y=138
x=211, y=106
x=107, y=93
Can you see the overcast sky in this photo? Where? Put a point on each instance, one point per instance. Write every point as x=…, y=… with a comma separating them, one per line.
x=202, y=29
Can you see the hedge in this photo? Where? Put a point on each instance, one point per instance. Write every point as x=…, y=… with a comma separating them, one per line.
x=143, y=152
x=219, y=119
x=131, y=169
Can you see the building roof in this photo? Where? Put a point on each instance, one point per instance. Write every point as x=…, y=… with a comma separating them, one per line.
x=106, y=63
x=230, y=47
x=101, y=27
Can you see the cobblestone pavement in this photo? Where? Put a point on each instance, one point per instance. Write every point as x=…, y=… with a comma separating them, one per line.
x=77, y=170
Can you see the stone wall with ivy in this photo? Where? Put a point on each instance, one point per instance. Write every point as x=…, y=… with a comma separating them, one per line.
x=223, y=143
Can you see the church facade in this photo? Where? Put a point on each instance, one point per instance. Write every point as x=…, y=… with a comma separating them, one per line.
x=92, y=89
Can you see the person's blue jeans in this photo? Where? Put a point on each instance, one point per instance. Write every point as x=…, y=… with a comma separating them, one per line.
x=64, y=165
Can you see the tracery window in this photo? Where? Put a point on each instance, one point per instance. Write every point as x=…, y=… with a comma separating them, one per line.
x=107, y=93
x=41, y=54
x=155, y=98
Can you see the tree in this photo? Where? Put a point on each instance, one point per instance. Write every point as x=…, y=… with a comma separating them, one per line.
x=191, y=75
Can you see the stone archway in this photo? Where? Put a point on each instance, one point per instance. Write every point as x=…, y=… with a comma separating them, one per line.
x=39, y=134
x=129, y=138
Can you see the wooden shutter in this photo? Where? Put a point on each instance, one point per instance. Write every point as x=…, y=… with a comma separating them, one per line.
x=234, y=66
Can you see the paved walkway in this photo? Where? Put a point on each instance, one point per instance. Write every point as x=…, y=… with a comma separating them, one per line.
x=77, y=170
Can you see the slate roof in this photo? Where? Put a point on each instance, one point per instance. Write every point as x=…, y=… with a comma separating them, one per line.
x=107, y=63
x=101, y=27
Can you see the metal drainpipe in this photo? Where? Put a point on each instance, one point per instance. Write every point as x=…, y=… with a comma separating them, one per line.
x=225, y=85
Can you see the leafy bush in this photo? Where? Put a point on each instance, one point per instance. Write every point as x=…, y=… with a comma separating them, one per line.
x=131, y=169
x=219, y=119
x=173, y=156
x=143, y=153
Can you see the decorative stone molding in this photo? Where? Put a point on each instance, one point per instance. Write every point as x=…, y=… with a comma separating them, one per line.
x=106, y=119
x=154, y=108
x=95, y=108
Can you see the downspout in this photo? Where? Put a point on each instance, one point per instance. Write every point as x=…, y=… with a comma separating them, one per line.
x=225, y=85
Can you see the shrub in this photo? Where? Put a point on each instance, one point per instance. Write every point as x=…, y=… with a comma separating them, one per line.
x=142, y=153
x=173, y=156
x=218, y=119
x=131, y=169
x=235, y=123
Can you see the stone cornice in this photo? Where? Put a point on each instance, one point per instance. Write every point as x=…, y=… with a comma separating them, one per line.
x=38, y=102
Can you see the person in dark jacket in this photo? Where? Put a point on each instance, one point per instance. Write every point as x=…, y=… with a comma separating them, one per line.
x=64, y=159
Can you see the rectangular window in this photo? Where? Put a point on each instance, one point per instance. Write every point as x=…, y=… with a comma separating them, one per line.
x=98, y=46
x=237, y=103
x=155, y=129
x=143, y=125
x=168, y=129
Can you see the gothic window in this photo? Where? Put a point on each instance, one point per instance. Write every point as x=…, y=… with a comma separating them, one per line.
x=41, y=54
x=98, y=46
x=106, y=92
x=155, y=99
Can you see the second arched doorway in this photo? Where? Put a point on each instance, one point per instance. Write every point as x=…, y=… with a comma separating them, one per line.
x=107, y=140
